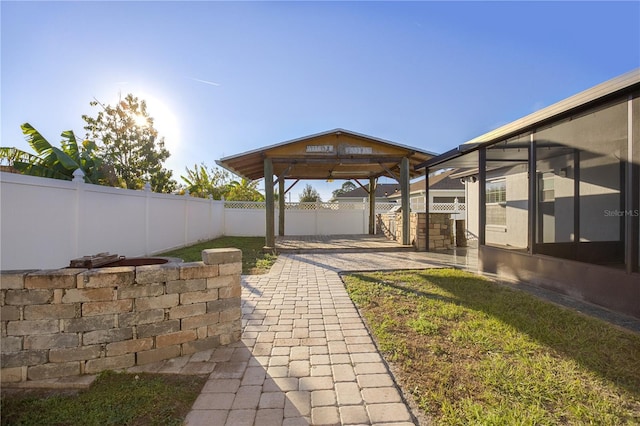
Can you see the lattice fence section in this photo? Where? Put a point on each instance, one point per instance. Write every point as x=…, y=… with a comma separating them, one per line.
x=380, y=207
x=447, y=207
x=251, y=205
x=385, y=207
x=245, y=205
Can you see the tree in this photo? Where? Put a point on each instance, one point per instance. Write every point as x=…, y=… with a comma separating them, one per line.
x=348, y=186
x=130, y=144
x=244, y=190
x=202, y=181
x=309, y=195
x=58, y=163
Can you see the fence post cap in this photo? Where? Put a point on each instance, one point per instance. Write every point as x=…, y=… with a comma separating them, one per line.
x=78, y=175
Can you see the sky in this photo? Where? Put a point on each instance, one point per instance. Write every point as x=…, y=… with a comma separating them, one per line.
x=223, y=78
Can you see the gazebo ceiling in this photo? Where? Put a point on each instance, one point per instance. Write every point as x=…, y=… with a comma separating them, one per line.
x=335, y=154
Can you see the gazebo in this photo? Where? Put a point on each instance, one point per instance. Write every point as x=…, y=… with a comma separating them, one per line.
x=334, y=154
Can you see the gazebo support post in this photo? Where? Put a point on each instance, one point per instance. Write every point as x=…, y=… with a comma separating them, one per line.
x=372, y=205
x=270, y=238
x=281, y=205
x=404, y=188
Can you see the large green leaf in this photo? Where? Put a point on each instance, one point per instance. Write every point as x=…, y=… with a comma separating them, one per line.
x=36, y=140
x=70, y=145
x=34, y=169
x=65, y=160
x=14, y=154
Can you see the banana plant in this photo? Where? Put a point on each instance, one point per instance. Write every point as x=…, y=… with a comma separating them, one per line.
x=52, y=162
x=244, y=190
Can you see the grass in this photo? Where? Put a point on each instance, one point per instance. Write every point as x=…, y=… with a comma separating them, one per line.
x=254, y=261
x=474, y=352
x=113, y=399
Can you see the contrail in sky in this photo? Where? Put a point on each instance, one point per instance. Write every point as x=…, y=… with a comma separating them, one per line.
x=211, y=83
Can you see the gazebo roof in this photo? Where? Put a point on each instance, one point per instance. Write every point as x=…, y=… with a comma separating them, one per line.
x=334, y=154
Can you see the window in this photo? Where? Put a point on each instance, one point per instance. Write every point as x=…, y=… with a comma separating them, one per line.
x=547, y=187
x=496, y=202
x=497, y=191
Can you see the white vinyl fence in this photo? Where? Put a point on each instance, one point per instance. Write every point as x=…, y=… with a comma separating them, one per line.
x=245, y=218
x=44, y=223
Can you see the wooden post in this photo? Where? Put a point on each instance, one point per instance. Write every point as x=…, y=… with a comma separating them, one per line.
x=372, y=205
x=270, y=238
x=281, y=205
x=406, y=207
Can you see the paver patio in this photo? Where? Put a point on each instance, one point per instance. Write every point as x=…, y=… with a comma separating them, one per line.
x=306, y=356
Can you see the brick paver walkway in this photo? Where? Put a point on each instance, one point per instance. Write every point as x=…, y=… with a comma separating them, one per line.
x=305, y=357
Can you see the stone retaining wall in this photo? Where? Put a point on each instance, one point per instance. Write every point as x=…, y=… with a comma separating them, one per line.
x=68, y=322
x=390, y=224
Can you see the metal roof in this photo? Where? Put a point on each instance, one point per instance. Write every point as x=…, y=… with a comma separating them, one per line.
x=334, y=154
x=466, y=155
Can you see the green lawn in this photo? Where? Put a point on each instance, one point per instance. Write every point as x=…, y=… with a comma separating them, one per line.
x=474, y=352
x=113, y=399
x=254, y=261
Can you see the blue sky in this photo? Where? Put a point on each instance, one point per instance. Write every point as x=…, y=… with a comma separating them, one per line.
x=222, y=78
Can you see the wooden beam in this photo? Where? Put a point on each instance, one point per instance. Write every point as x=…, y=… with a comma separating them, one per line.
x=393, y=175
x=338, y=160
x=362, y=186
x=283, y=175
x=292, y=185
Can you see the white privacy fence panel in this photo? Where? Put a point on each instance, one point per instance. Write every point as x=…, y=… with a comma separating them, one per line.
x=36, y=222
x=110, y=220
x=244, y=219
x=44, y=223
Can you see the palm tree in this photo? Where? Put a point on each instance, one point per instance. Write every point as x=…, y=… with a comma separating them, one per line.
x=244, y=190
x=52, y=162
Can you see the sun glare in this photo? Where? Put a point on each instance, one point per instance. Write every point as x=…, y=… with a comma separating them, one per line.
x=164, y=120
x=140, y=120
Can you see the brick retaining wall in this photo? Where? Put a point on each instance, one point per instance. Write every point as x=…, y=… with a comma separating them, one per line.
x=67, y=322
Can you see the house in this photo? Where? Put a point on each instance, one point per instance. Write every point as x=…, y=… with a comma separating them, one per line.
x=443, y=189
x=554, y=197
x=383, y=190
